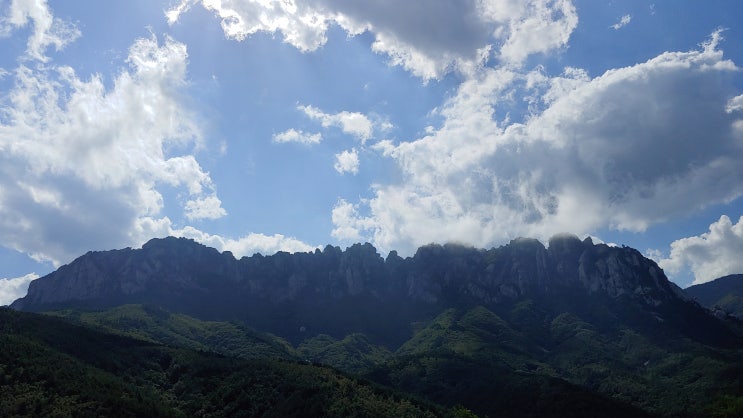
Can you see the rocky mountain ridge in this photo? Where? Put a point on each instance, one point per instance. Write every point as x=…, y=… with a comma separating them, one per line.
x=525, y=265
x=336, y=292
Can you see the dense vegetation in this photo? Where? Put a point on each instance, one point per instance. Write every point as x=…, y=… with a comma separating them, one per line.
x=51, y=368
x=154, y=324
x=575, y=367
x=523, y=362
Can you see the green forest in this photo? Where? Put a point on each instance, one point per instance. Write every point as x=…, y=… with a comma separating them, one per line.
x=51, y=368
x=136, y=360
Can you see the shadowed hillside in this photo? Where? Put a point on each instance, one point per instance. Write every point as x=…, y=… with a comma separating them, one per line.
x=724, y=294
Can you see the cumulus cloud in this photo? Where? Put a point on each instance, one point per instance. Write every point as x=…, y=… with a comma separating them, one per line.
x=80, y=163
x=145, y=228
x=527, y=28
x=356, y=124
x=735, y=104
x=346, y=220
x=209, y=207
x=301, y=26
x=624, y=150
x=246, y=245
x=429, y=39
x=710, y=255
x=624, y=21
x=349, y=225
x=47, y=30
x=347, y=162
x=293, y=135
x=12, y=289
x=352, y=123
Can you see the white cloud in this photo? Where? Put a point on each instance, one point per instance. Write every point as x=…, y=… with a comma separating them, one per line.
x=710, y=255
x=347, y=162
x=12, y=289
x=429, y=39
x=532, y=27
x=624, y=21
x=172, y=15
x=301, y=26
x=624, y=150
x=209, y=207
x=352, y=123
x=80, y=163
x=247, y=245
x=292, y=135
x=145, y=228
x=735, y=104
x=345, y=218
x=349, y=226
x=47, y=30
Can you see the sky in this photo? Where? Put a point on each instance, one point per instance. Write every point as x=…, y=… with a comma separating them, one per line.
x=286, y=125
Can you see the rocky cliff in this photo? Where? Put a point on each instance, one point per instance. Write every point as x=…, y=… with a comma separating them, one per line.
x=338, y=292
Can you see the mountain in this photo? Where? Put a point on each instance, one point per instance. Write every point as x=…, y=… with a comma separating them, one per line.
x=572, y=328
x=337, y=292
x=725, y=295
x=49, y=367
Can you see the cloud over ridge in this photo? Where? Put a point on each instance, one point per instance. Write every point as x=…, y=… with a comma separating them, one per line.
x=624, y=150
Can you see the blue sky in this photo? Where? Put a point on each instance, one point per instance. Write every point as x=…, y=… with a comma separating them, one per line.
x=259, y=126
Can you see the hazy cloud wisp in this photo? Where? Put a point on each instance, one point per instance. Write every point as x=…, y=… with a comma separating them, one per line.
x=47, y=30
x=624, y=21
